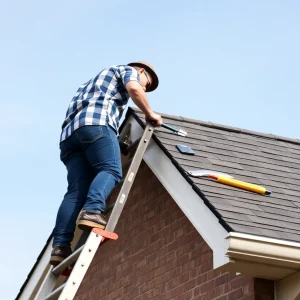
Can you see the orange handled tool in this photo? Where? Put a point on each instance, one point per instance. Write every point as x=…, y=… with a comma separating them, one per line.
x=241, y=184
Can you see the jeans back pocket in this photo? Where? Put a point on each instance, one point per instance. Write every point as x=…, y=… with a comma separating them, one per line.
x=89, y=133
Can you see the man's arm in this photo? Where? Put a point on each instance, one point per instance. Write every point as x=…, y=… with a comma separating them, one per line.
x=139, y=97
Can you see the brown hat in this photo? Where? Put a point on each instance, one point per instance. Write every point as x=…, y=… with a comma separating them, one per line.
x=150, y=70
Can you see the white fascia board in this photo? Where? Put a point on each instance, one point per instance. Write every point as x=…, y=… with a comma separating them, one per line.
x=205, y=222
x=267, y=250
x=42, y=267
x=263, y=239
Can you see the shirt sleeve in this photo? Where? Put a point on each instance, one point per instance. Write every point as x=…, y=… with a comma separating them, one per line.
x=128, y=73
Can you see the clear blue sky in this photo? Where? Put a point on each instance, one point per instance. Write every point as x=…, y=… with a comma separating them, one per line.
x=230, y=62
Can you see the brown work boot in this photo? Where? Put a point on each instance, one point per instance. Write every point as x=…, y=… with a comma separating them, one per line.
x=58, y=254
x=88, y=220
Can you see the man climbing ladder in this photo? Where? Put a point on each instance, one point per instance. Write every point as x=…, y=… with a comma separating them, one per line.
x=90, y=149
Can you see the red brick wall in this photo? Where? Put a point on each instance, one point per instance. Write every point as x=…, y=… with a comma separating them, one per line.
x=160, y=255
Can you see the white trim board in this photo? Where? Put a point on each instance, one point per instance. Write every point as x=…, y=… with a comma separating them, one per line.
x=35, y=277
x=205, y=222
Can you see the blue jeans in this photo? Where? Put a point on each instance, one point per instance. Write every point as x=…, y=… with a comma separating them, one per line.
x=92, y=158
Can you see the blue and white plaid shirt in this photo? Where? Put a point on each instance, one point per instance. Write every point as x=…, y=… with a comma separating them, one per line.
x=100, y=101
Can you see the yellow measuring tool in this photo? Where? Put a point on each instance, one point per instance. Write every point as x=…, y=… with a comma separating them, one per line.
x=241, y=184
x=229, y=180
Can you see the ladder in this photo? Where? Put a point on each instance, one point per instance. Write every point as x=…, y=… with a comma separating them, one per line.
x=83, y=256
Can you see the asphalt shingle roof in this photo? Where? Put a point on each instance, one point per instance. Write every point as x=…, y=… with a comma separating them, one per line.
x=264, y=159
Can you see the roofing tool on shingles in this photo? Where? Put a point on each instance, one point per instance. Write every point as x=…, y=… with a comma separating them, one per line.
x=175, y=130
x=229, y=180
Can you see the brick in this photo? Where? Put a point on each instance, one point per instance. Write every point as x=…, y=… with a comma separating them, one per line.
x=201, y=278
x=239, y=281
x=218, y=291
x=237, y=294
x=249, y=297
x=195, y=272
x=189, y=285
x=207, y=266
x=177, y=281
x=161, y=256
x=175, y=292
x=221, y=279
x=248, y=288
x=196, y=291
x=185, y=296
x=207, y=286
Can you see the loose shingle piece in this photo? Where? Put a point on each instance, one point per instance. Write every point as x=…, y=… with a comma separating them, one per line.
x=264, y=159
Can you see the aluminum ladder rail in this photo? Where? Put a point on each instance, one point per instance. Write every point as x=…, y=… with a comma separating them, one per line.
x=84, y=255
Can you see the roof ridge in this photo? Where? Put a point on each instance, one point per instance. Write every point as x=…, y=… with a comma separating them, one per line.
x=227, y=128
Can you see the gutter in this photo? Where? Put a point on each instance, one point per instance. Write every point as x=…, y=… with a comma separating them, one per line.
x=261, y=257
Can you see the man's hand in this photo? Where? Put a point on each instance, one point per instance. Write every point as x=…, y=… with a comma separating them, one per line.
x=154, y=119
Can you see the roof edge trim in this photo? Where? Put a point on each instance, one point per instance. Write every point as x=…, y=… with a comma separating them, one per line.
x=263, y=239
x=269, y=136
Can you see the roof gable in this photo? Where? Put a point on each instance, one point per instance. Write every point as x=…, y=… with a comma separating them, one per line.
x=263, y=159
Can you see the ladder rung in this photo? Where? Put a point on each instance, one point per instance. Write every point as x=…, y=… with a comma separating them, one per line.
x=134, y=145
x=126, y=150
x=67, y=262
x=55, y=293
